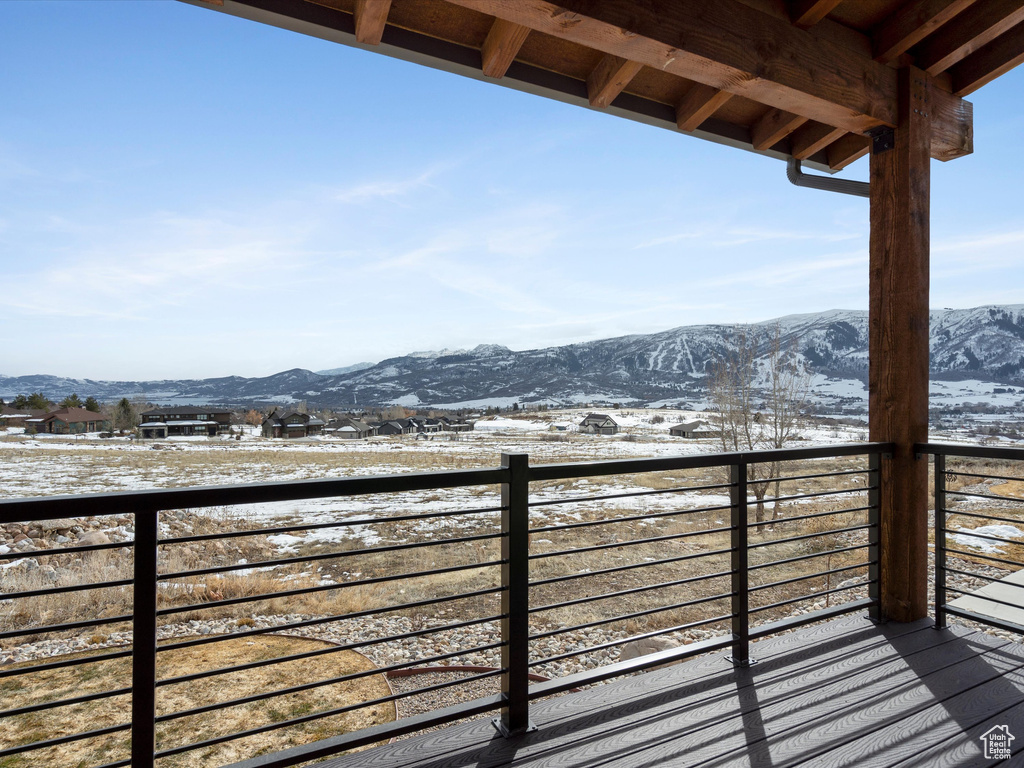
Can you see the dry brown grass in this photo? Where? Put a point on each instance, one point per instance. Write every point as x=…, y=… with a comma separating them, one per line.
x=622, y=541
x=87, y=678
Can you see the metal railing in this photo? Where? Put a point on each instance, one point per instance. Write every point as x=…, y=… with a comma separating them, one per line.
x=973, y=529
x=675, y=543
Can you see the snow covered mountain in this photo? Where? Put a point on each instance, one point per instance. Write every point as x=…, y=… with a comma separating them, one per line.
x=985, y=344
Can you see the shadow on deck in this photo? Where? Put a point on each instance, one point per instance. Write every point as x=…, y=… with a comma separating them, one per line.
x=846, y=692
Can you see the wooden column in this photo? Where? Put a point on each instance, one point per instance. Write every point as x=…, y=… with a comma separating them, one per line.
x=898, y=331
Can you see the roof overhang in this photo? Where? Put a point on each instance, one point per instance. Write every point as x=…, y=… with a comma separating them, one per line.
x=802, y=79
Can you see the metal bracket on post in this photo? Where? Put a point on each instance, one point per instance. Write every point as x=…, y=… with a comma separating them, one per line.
x=883, y=139
x=740, y=573
x=515, y=597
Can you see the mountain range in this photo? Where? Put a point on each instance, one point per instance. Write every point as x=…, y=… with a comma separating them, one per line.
x=670, y=367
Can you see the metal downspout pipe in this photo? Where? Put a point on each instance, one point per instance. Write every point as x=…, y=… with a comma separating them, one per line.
x=826, y=183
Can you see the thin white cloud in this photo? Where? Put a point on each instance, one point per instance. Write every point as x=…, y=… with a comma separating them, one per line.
x=387, y=189
x=744, y=236
x=162, y=261
x=726, y=237
x=975, y=245
x=669, y=239
x=836, y=267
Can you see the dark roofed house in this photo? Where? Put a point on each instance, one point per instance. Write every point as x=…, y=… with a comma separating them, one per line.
x=395, y=427
x=184, y=420
x=453, y=424
x=349, y=428
x=599, y=424
x=426, y=424
x=292, y=424
x=693, y=429
x=71, y=421
x=17, y=417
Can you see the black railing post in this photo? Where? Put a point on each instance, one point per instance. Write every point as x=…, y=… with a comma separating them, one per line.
x=940, y=541
x=515, y=597
x=740, y=561
x=875, y=536
x=144, y=640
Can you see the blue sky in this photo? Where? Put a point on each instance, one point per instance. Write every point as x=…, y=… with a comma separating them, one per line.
x=186, y=194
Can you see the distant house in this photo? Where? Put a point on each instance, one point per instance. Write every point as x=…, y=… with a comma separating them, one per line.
x=184, y=420
x=18, y=417
x=693, y=429
x=424, y=424
x=686, y=429
x=349, y=428
x=395, y=427
x=599, y=424
x=70, y=421
x=292, y=424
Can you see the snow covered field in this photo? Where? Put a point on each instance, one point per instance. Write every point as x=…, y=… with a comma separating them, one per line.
x=47, y=465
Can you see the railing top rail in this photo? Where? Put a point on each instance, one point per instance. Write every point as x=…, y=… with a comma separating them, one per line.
x=539, y=472
x=125, y=502
x=970, y=451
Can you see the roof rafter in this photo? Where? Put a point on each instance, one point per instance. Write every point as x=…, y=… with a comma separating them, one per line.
x=807, y=13
x=699, y=103
x=502, y=46
x=812, y=138
x=985, y=65
x=773, y=127
x=611, y=75
x=370, y=18
x=844, y=151
x=911, y=24
x=974, y=28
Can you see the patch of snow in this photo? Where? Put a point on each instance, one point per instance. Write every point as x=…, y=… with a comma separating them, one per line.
x=285, y=542
x=984, y=545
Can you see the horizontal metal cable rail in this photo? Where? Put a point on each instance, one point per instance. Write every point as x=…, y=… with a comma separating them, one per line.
x=728, y=558
x=954, y=463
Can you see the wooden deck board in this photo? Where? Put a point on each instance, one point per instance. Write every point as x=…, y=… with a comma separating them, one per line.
x=933, y=735
x=842, y=693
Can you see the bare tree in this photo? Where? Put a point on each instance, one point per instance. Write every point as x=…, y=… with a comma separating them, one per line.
x=760, y=391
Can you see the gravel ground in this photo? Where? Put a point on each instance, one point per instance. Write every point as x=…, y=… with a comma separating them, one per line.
x=412, y=651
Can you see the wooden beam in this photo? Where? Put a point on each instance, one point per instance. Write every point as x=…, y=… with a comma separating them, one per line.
x=911, y=24
x=699, y=103
x=370, y=17
x=846, y=150
x=502, y=46
x=898, y=346
x=974, y=28
x=812, y=138
x=725, y=44
x=806, y=13
x=952, y=124
x=995, y=59
x=611, y=75
x=729, y=46
x=773, y=127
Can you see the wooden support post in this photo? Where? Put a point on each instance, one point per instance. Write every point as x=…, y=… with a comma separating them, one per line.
x=898, y=343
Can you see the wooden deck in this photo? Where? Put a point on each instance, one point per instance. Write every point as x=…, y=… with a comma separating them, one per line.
x=842, y=693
